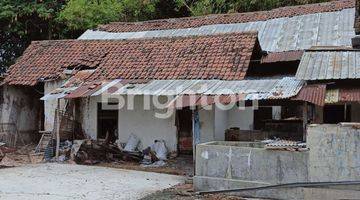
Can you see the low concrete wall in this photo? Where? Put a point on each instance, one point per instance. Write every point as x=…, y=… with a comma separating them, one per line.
x=248, y=164
x=334, y=152
x=334, y=155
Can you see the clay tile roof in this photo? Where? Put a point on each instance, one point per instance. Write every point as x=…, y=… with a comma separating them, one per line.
x=189, y=22
x=224, y=56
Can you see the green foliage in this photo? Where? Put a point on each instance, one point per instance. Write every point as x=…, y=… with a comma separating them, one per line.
x=203, y=7
x=85, y=14
x=22, y=21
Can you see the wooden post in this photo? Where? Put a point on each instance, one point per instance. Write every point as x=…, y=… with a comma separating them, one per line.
x=305, y=119
x=57, y=129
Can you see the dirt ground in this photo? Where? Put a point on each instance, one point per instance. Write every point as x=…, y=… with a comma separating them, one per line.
x=185, y=192
x=182, y=165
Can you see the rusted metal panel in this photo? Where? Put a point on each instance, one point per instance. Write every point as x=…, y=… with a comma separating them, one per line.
x=349, y=95
x=312, y=93
x=329, y=64
x=282, y=56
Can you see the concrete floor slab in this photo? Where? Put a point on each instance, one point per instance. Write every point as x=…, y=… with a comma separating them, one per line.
x=65, y=181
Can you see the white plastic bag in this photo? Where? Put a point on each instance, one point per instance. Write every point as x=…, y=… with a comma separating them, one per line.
x=132, y=143
x=160, y=149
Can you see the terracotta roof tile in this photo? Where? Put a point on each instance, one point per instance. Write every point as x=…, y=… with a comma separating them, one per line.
x=189, y=22
x=225, y=56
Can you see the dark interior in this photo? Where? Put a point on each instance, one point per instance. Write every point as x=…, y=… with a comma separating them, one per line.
x=107, y=123
x=184, y=127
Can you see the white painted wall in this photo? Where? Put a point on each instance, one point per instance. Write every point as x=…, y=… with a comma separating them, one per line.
x=242, y=118
x=207, y=125
x=89, y=115
x=51, y=105
x=146, y=126
x=221, y=123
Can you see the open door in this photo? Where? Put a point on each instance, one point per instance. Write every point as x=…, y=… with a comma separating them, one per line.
x=107, y=123
x=184, y=127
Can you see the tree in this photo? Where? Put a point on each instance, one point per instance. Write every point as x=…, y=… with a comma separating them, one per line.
x=204, y=7
x=85, y=14
x=22, y=21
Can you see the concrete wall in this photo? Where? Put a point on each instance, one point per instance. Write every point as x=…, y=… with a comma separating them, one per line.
x=221, y=119
x=247, y=164
x=146, y=126
x=21, y=105
x=242, y=118
x=207, y=125
x=143, y=123
x=89, y=115
x=334, y=155
x=334, y=152
x=51, y=105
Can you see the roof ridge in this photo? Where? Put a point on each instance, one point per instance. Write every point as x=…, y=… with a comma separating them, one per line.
x=245, y=33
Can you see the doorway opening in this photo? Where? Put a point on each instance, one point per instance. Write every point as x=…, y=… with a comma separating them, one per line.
x=334, y=114
x=107, y=120
x=185, y=133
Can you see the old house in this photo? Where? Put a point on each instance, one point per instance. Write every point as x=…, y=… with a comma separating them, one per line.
x=248, y=59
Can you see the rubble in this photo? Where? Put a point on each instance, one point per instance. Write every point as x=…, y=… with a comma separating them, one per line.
x=16, y=156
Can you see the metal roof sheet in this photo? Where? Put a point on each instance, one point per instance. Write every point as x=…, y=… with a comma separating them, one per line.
x=278, y=88
x=327, y=64
x=275, y=35
x=58, y=93
x=314, y=93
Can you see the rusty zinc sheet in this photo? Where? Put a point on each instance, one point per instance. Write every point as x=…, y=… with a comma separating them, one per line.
x=329, y=64
x=342, y=95
x=349, y=94
x=282, y=56
x=314, y=93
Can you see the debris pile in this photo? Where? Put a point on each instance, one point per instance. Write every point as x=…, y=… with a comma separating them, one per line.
x=288, y=145
x=91, y=152
x=16, y=156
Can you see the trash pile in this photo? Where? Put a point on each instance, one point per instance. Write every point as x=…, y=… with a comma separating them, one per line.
x=287, y=145
x=90, y=152
x=16, y=156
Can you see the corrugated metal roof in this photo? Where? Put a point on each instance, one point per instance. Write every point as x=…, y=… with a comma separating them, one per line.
x=76, y=80
x=312, y=93
x=349, y=94
x=275, y=35
x=324, y=65
x=279, y=88
x=342, y=95
x=282, y=56
x=58, y=93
